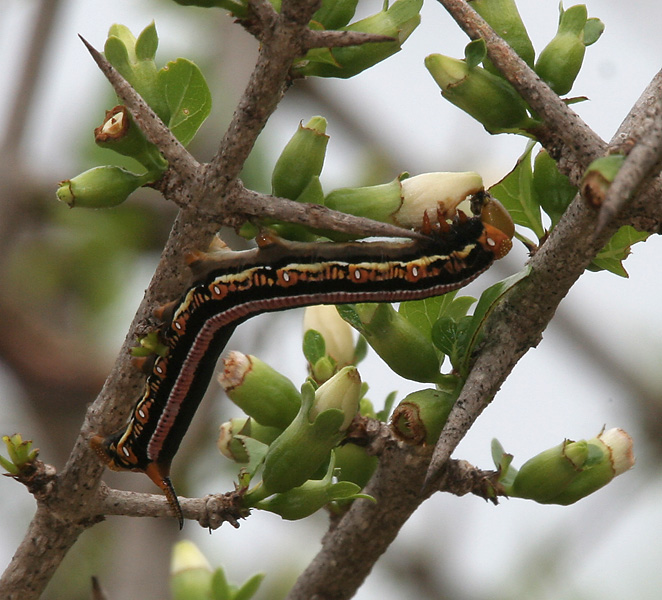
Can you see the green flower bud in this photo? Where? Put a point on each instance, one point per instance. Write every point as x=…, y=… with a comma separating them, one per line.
x=355, y=464
x=297, y=454
x=334, y=14
x=403, y=347
x=118, y=132
x=421, y=416
x=573, y=470
x=560, y=61
x=553, y=189
x=259, y=390
x=544, y=476
x=301, y=159
x=100, y=187
x=341, y=392
x=303, y=501
x=378, y=202
x=336, y=332
x=190, y=573
x=610, y=454
x=504, y=18
x=488, y=98
x=397, y=21
x=599, y=176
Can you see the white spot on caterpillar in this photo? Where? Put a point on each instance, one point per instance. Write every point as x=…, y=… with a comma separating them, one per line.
x=286, y=276
x=125, y=452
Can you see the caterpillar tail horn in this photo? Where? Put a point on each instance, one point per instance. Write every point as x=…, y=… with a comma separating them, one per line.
x=161, y=478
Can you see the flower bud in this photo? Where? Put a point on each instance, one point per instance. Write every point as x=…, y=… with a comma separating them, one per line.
x=342, y=392
x=405, y=200
x=421, y=416
x=296, y=455
x=397, y=21
x=308, y=498
x=354, y=464
x=488, y=98
x=403, y=347
x=599, y=177
x=573, y=470
x=559, y=63
x=301, y=159
x=544, y=476
x=259, y=390
x=553, y=189
x=118, y=132
x=100, y=187
x=190, y=573
x=610, y=455
x=504, y=18
x=432, y=192
x=336, y=332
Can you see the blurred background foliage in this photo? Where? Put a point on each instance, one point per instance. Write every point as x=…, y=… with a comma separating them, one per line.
x=70, y=280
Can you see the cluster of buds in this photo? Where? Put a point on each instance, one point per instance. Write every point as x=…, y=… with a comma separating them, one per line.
x=168, y=93
x=191, y=576
x=572, y=470
x=484, y=94
x=21, y=454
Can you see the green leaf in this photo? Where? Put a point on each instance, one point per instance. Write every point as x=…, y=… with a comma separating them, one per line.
x=475, y=52
x=553, y=190
x=383, y=414
x=250, y=587
x=611, y=257
x=314, y=346
x=117, y=54
x=350, y=314
x=187, y=97
x=593, y=30
x=220, y=589
x=515, y=192
x=502, y=461
x=488, y=300
x=147, y=43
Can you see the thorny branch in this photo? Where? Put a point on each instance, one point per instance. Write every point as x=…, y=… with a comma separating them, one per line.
x=355, y=542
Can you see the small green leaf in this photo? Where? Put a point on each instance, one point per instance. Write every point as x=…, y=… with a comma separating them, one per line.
x=515, y=192
x=117, y=55
x=383, y=414
x=250, y=587
x=314, y=346
x=593, y=30
x=611, y=257
x=187, y=96
x=220, y=589
x=147, y=43
x=475, y=52
x=351, y=315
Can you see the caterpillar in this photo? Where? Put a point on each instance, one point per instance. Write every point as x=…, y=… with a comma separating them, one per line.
x=230, y=287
